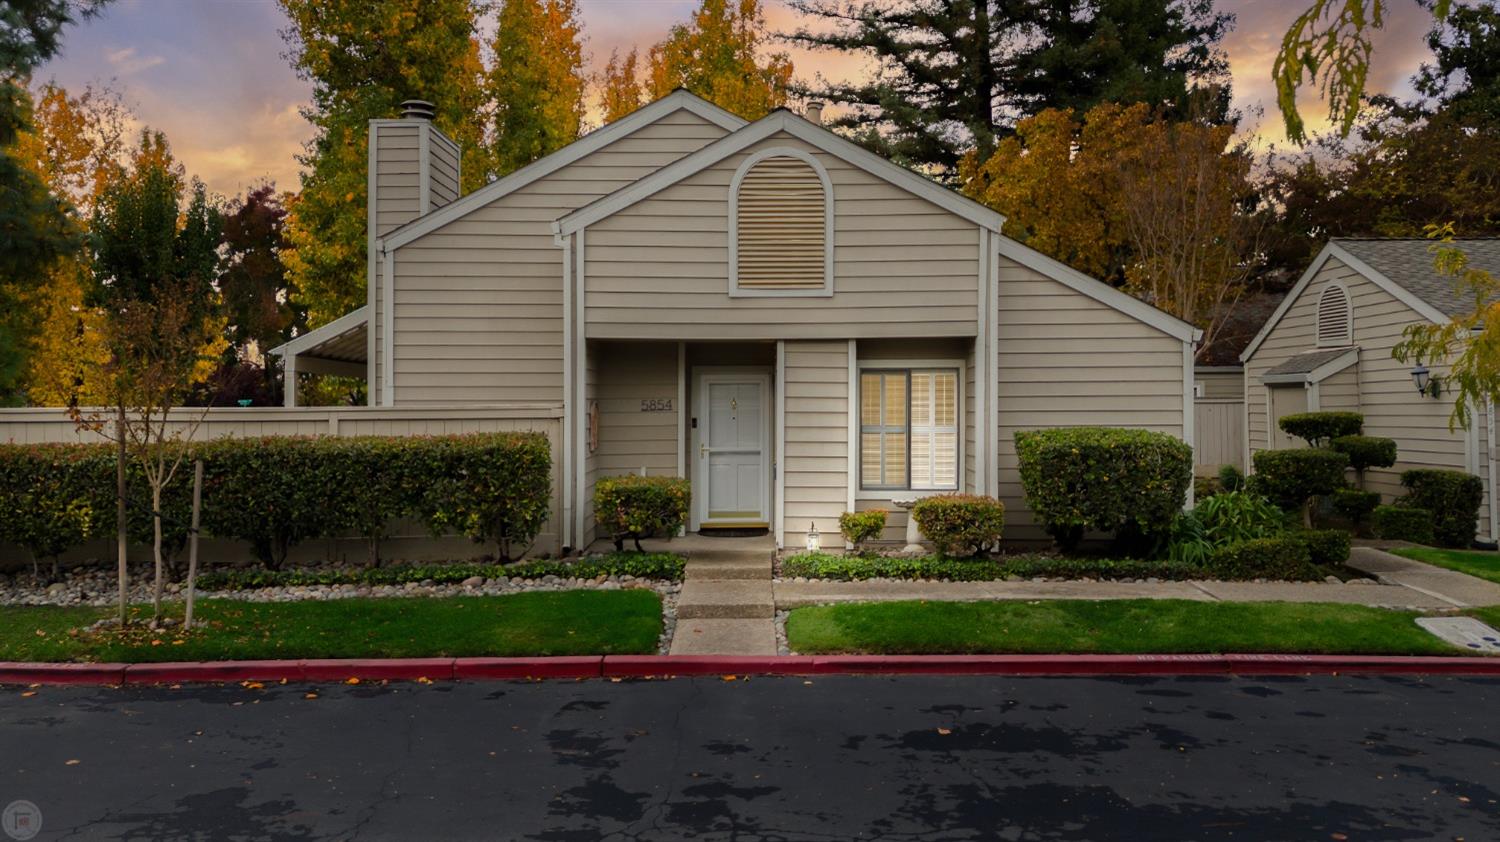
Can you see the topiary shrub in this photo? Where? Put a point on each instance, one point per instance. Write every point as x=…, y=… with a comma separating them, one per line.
x=1231, y=478
x=1104, y=479
x=492, y=487
x=1366, y=452
x=1325, y=546
x=1402, y=523
x=1453, y=497
x=960, y=525
x=1291, y=478
x=862, y=527
x=1354, y=504
x=1319, y=428
x=638, y=507
x=1281, y=557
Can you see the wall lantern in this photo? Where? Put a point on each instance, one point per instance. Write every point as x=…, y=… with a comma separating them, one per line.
x=814, y=540
x=1426, y=383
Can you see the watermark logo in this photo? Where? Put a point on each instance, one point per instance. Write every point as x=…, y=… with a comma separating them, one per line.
x=21, y=820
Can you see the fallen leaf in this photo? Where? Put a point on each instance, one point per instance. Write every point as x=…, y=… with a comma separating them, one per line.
x=945, y=731
x=251, y=685
x=422, y=679
x=73, y=763
x=28, y=694
x=310, y=696
x=731, y=678
x=1338, y=836
x=351, y=680
x=156, y=643
x=1464, y=799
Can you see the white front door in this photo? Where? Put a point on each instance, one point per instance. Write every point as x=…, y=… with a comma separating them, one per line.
x=732, y=469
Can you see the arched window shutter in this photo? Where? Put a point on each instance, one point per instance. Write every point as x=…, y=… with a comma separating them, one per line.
x=781, y=227
x=1334, y=317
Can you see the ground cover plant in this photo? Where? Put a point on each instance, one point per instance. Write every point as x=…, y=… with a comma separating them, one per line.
x=657, y=566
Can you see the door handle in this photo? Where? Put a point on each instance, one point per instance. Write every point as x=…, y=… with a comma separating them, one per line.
x=702, y=451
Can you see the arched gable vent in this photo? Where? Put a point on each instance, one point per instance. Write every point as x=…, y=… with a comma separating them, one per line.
x=1335, y=317
x=781, y=226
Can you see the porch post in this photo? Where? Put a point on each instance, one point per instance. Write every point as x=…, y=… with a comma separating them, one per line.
x=779, y=464
x=289, y=380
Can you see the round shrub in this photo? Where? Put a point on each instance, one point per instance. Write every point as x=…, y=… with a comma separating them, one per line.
x=1319, y=428
x=960, y=524
x=1103, y=479
x=1402, y=523
x=860, y=527
x=638, y=507
x=54, y=497
x=1354, y=504
x=1453, y=497
x=1292, y=477
x=271, y=493
x=1366, y=451
x=1282, y=557
x=1325, y=546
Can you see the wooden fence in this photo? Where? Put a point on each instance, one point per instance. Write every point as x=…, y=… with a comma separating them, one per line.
x=407, y=541
x=1219, y=427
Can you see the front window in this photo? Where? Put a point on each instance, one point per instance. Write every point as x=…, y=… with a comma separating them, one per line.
x=908, y=429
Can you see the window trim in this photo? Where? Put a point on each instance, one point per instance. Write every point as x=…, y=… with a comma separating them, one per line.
x=960, y=368
x=735, y=290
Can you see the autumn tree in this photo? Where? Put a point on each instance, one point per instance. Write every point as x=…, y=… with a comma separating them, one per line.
x=537, y=81
x=260, y=306
x=620, y=88
x=363, y=58
x=721, y=55
x=955, y=75
x=154, y=242
x=1158, y=206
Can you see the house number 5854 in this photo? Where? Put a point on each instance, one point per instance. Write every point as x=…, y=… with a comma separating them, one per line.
x=656, y=405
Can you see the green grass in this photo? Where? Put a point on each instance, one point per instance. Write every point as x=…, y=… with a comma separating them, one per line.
x=1107, y=627
x=578, y=622
x=1485, y=565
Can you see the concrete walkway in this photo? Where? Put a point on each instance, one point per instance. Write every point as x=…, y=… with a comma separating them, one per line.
x=1458, y=590
x=726, y=606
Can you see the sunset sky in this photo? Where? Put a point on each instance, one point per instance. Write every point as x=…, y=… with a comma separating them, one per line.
x=213, y=75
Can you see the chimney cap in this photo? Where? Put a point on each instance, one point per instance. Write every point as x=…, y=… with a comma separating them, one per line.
x=814, y=111
x=417, y=109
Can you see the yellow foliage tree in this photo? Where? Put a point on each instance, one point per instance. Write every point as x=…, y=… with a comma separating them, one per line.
x=620, y=88
x=718, y=56
x=537, y=82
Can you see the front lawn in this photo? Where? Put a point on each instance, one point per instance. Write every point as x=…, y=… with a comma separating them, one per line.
x=1485, y=565
x=581, y=622
x=1107, y=627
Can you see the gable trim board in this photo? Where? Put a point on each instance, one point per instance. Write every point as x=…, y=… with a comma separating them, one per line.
x=573, y=152
x=1330, y=251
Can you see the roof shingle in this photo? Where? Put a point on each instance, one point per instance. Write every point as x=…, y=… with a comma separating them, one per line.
x=1409, y=263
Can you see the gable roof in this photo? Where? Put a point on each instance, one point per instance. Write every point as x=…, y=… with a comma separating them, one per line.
x=342, y=339
x=679, y=100
x=1409, y=263
x=1338, y=250
x=1313, y=366
x=780, y=120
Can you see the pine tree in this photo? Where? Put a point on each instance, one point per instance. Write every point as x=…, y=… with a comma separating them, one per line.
x=717, y=55
x=957, y=74
x=363, y=58
x=620, y=89
x=537, y=82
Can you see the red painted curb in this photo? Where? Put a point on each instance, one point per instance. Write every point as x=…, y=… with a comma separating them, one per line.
x=1023, y=664
x=644, y=666
x=191, y=671
x=12, y=672
x=1388, y=664
x=569, y=666
x=399, y=669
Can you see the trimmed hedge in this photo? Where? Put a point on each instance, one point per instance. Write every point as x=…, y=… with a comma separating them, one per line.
x=1354, y=504
x=860, y=527
x=1366, y=451
x=1319, y=428
x=657, y=566
x=1103, y=479
x=275, y=492
x=1402, y=523
x=1453, y=498
x=639, y=507
x=857, y=568
x=1325, y=546
x=1281, y=557
x=960, y=524
x=1291, y=477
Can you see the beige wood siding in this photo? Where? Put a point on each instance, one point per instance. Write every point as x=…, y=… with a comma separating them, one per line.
x=1340, y=392
x=631, y=440
x=1220, y=382
x=1390, y=403
x=817, y=439
x=397, y=175
x=1066, y=360
x=443, y=170
x=479, y=300
x=902, y=266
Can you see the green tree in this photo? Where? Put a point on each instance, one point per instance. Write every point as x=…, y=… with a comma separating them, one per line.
x=952, y=75
x=1464, y=77
x=721, y=55
x=620, y=89
x=537, y=81
x=363, y=57
x=36, y=227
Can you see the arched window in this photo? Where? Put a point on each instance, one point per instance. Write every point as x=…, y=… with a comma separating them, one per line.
x=781, y=226
x=1335, y=317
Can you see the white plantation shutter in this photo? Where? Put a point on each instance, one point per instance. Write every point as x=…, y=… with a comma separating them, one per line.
x=1334, y=317
x=934, y=429
x=909, y=429
x=781, y=226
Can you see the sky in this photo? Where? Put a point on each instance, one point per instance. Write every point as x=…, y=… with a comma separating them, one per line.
x=213, y=74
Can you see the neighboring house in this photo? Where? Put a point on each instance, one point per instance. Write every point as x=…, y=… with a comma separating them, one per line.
x=1328, y=347
x=798, y=325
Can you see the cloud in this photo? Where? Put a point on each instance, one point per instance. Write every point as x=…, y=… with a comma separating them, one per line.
x=127, y=61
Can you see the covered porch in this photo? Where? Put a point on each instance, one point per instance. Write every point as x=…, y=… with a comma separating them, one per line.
x=340, y=348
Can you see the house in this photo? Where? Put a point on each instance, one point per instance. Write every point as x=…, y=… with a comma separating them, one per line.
x=798, y=325
x=1328, y=347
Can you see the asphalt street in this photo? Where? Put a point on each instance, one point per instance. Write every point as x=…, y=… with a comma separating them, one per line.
x=825, y=758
